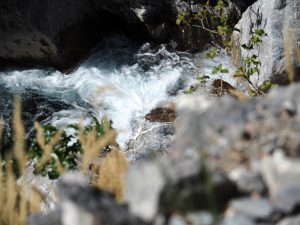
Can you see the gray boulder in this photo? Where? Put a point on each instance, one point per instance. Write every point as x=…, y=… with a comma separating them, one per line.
x=280, y=20
x=237, y=131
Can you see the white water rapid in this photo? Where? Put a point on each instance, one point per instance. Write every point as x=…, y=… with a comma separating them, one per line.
x=121, y=80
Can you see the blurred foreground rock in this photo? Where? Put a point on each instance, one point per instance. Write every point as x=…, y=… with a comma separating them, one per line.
x=234, y=163
x=81, y=204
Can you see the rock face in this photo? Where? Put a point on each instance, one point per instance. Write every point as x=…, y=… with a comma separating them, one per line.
x=52, y=33
x=280, y=20
x=60, y=33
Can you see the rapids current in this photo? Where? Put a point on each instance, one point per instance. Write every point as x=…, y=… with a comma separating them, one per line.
x=121, y=79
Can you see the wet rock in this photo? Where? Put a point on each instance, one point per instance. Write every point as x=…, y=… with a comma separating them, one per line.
x=161, y=115
x=295, y=220
x=158, y=137
x=280, y=20
x=254, y=208
x=54, y=34
x=61, y=33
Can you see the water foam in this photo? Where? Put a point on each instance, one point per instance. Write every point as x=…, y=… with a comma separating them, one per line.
x=119, y=81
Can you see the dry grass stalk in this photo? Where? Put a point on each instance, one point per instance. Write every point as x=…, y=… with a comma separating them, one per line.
x=14, y=203
x=1, y=131
x=93, y=146
x=14, y=206
x=19, y=142
x=112, y=173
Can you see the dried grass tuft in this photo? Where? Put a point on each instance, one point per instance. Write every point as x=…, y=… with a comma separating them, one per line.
x=15, y=204
x=112, y=173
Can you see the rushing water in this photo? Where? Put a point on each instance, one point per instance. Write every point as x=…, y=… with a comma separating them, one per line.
x=121, y=80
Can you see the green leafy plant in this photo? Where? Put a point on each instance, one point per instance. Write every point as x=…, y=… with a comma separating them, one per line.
x=202, y=78
x=215, y=20
x=210, y=17
x=251, y=65
x=190, y=90
x=183, y=18
x=220, y=69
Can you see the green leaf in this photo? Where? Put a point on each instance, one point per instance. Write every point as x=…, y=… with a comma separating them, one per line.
x=260, y=32
x=203, y=77
x=247, y=47
x=224, y=70
x=215, y=70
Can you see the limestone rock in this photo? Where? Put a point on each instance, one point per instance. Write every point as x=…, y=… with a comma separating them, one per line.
x=280, y=20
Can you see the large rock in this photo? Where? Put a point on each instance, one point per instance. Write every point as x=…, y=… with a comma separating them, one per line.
x=238, y=130
x=281, y=21
x=82, y=204
x=53, y=33
x=60, y=33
